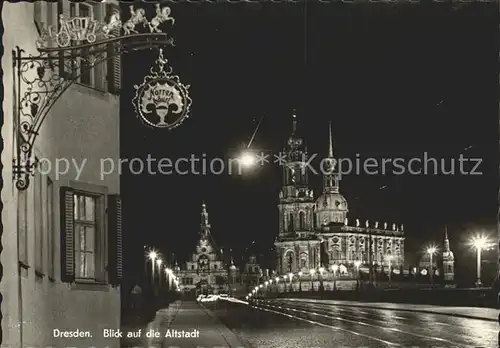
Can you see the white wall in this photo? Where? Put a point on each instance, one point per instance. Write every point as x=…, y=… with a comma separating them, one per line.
x=83, y=124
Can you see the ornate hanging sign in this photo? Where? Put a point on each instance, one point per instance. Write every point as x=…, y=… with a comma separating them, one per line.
x=162, y=101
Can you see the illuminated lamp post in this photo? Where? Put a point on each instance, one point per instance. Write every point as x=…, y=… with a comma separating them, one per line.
x=357, y=264
x=431, y=251
x=152, y=256
x=311, y=272
x=300, y=281
x=335, y=268
x=480, y=243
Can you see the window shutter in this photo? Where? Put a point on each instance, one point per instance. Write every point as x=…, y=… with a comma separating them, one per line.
x=67, y=235
x=114, y=65
x=115, y=253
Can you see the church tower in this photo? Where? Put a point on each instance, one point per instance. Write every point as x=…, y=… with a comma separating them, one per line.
x=448, y=259
x=331, y=206
x=295, y=241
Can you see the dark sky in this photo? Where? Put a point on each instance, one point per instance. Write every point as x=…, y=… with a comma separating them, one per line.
x=394, y=81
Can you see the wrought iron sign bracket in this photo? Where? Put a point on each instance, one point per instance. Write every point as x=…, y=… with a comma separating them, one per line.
x=64, y=55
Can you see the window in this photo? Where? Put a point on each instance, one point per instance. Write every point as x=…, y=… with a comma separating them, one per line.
x=91, y=250
x=38, y=212
x=86, y=75
x=302, y=222
x=192, y=266
x=22, y=226
x=50, y=228
x=44, y=14
x=290, y=222
x=85, y=236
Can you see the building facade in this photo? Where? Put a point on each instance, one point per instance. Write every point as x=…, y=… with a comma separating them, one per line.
x=443, y=262
x=61, y=237
x=206, y=272
x=314, y=233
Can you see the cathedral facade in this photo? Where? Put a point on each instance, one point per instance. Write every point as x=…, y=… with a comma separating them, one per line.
x=206, y=272
x=314, y=232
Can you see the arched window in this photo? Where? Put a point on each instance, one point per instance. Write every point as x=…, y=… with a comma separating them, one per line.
x=302, y=221
x=290, y=222
x=315, y=220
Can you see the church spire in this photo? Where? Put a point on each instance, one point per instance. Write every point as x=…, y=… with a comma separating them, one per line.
x=446, y=240
x=330, y=180
x=205, y=225
x=330, y=145
x=204, y=215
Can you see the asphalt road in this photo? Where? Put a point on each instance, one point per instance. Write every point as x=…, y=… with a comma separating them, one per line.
x=277, y=324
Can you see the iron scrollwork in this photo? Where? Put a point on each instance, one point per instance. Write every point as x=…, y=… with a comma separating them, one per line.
x=81, y=42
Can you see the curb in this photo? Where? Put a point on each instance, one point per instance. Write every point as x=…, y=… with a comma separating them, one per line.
x=411, y=310
x=229, y=336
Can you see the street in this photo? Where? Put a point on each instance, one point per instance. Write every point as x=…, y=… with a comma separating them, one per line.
x=278, y=324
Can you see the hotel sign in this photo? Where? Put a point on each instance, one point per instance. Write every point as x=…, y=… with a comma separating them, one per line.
x=161, y=100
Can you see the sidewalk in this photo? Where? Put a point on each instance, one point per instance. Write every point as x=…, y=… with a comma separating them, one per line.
x=208, y=331
x=488, y=314
x=160, y=323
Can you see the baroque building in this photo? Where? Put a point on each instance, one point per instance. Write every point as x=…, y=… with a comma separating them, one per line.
x=448, y=260
x=314, y=233
x=61, y=236
x=207, y=273
x=442, y=264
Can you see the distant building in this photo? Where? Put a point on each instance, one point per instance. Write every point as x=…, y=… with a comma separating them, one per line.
x=314, y=232
x=443, y=263
x=206, y=272
x=61, y=237
x=448, y=260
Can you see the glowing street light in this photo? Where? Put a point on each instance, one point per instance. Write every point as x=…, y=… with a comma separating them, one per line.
x=152, y=256
x=247, y=159
x=357, y=264
x=158, y=263
x=311, y=272
x=300, y=281
x=389, y=259
x=431, y=251
x=335, y=268
x=480, y=243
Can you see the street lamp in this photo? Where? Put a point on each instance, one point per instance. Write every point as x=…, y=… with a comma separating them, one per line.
x=311, y=272
x=290, y=275
x=159, y=262
x=320, y=278
x=152, y=256
x=389, y=259
x=300, y=281
x=480, y=243
x=357, y=263
x=335, y=268
x=431, y=251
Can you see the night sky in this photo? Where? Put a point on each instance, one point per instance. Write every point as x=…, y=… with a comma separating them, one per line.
x=395, y=81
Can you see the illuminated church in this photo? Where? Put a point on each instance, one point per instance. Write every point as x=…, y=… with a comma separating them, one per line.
x=315, y=232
